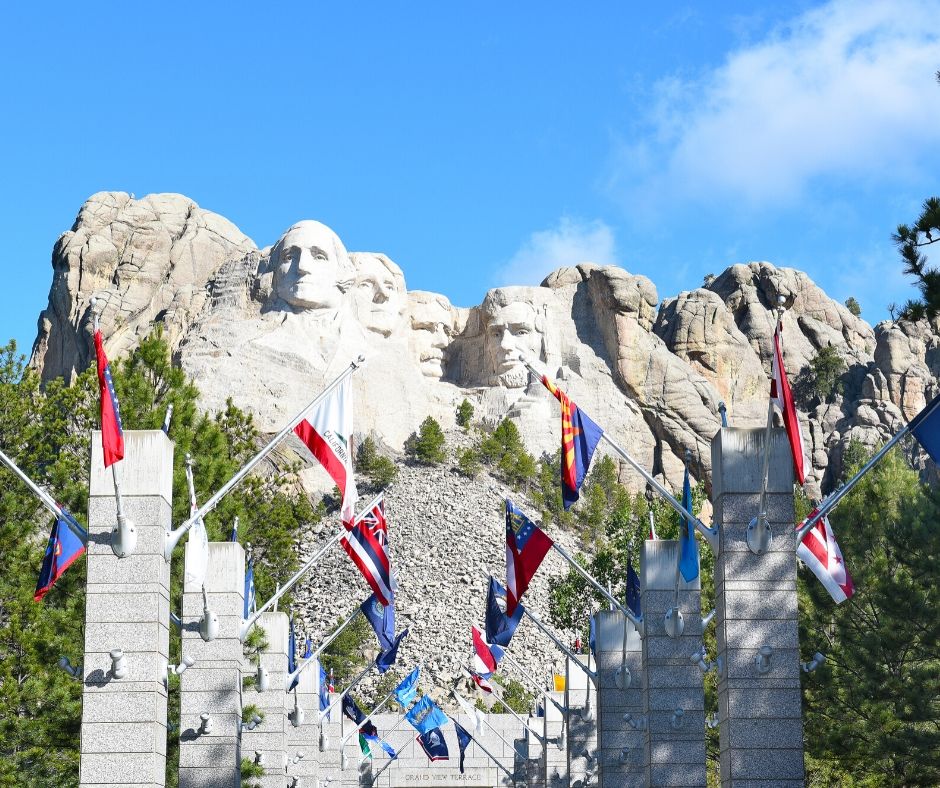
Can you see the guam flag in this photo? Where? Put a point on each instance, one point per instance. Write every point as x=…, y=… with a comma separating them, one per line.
x=63, y=548
x=579, y=437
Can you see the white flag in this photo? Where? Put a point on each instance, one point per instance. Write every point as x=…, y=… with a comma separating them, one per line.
x=473, y=712
x=196, y=561
x=820, y=551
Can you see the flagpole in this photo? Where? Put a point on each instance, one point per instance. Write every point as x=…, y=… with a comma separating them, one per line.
x=291, y=677
x=326, y=712
x=528, y=675
x=124, y=536
x=711, y=534
x=45, y=499
x=173, y=537
x=383, y=739
x=368, y=717
x=390, y=761
x=637, y=622
x=518, y=717
x=826, y=506
x=765, y=471
x=490, y=755
x=247, y=625
x=564, y=649
x=486, y=722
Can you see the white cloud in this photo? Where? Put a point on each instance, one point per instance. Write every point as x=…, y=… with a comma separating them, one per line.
x=570, y=242
x=845, y=91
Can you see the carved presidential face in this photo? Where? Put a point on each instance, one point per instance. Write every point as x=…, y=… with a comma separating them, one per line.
x=379, y=293
x=513, y=331
x=311, y=267
x=432, y=323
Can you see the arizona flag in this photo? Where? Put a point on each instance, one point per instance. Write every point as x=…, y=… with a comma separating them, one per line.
x=326, y=429
x=61, y=551
x=820, y=551
x=579, y=437
x=526, y=546
x=782, y=398
x=112, y=436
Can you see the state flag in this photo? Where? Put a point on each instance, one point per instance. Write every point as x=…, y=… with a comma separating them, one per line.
x=688, y=547
x=477, y=714
x=425, y=715
x=821, y=554
x=925, y=426
x=387, y=658
x=407, y=689
x=325, y=687
x=433, y=744
x=354, y=713
x=463, y=741
x=500, y=627
x=382, y=620
x=782, y=398
x=486, y=656
x=526, y=546
x=326, y=429
x=62, y=549
x=112, y=435
x=366, y=543
x=249, y=589
x=633, y=590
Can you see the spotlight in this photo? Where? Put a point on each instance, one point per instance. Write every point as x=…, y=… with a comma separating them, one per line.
x=75, y=671
x=118, y=664
x=676, y=721
x=674, y=622
x=186, y=662
x=209, y=623
x=263, y=679
x=699, y=658
x=815, y=662
x=637, y=723
x=324, y=740
x=298, y=757
x=205, y=726
x=253, y=723
x=259, y=758
x=297, y=716
x=711, y=721
x=762, y=659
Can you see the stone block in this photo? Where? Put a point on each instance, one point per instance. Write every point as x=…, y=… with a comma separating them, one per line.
x=753, y=634
x=124, y=608
x=755, y=734
x=125, y=707
x=769, y=703
x=212, y=754
x=688, y=752
x=737, y=461
x=120, y=768
x=109, y=737
x=761, y=763
x=128, y=571
x=760, y=605
x=677, y=775
x=772, y=570
x=147, y=467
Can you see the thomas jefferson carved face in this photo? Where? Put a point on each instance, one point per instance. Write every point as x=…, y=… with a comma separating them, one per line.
x=432, y=323
x=379, y=292
x=311, y=267
x=512, y=331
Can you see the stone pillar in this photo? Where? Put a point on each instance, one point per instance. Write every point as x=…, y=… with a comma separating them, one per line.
x=556, y=757
x=761, y=731
x=213, y=684
x=583, y=764
x=620, y=747
x=123, y=739
x=675, y=744
x=269, y=738
x=304, y=738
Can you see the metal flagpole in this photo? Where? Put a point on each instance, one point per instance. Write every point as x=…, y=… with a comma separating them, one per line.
x=291, y=677
x=247, y=625
x=711, y=534
x=637, y=622
x=326, y=712
x=564, y=649
x=368, y=717
x=390, y=761
x=45, y=499
x=514, y=714
x=528, y=675
x=486, y=722
x=509, y=774
x=174, y=536
x=383, y=738
x=834, y=498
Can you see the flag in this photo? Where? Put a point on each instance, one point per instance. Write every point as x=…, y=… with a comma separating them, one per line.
x=499, y=626
x=558, y=682
x=579, y=438
x=688, y=547
x=477, y=714
x=62, y=549
x=292, y=652
x=112, y=436
x=407, y=689
x=633, y=590
x=332, y=687
x=526, y=546
x=592, y=637
x=366, y=543
x=820, y=552
x=382, y=620
x=782, y=398
x=324, y=689
x=463, y=741
x=925, y=426
x=425, y=715
x=249, y=589
x=364, y=746
x=387, y=658
x=233, y=537
x=374, y=739
x=196, y=562
x=486, y=656
x=433, y=744
x=308, y=649
x=326, y=429
x=653, y=534
x=354, y=713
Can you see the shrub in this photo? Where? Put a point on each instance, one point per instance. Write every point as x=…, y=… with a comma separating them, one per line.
x=468, y=462
x=427, y=445
x=377, y=468
x=464, y=414
x=504, y=450
x=821, y=378
x=853, y=306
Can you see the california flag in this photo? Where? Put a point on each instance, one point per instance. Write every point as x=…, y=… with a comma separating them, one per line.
x=326, y=429
x=820, y=551
x=782, y=398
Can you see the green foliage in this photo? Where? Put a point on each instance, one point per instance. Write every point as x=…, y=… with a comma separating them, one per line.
x=345, y=655
x=464, y=414
x=821, y=378
x=249, y=711
x=853, y=306
x=514, y=694
x=546, y=492
x=377, y=468
x=427, y=446
x=504, y=450
x=871, y=711
x=468, y=462
x=250, y=771
x=910, y=240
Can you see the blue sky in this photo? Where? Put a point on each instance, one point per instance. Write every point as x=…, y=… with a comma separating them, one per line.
x=485, y=144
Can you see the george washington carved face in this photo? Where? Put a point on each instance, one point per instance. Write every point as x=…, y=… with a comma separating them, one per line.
x=311, y=267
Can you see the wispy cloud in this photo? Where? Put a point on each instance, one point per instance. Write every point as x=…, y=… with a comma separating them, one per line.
x=570, y=242
x=845, y=91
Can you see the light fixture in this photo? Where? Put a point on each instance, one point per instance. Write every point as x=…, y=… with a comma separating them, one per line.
x=75, y=671
x=762, y=659
x=205, y=726
x=699, y=658
x=758, y=535
x=711, y=721
x=186, y=662
x=624, y=755
x=324, y=740
x=263, y=679
x=298, y=757
x=118, y=664
x=209, y=623
x=637, y=723
x=343, y=761
x=296, y=716
x=674, y=622
x=253, y=723
x=622, y=677
x=676, y=721
x=587, y=714
x=259, y=758
x=815, y=662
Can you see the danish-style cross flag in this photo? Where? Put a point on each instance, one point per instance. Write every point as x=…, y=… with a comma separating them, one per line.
x=782, y=398
x=820, y=551
x=326, y=429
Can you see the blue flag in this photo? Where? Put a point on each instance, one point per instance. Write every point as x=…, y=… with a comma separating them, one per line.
x=688, y=547
x=61, y=551
x=308, y=649
x=425, y=715
x=499, y=626
x=592, y=637
x=353, y=712
x=291, y=647
x=382, y=620
x=387, y=658
x=407, y=690
x=463, y=741
x=925, y=426
x=374, y=739
x=433, y=744
x=249, y=589
x=233, y=537
x=324, y=688
x=633, y=590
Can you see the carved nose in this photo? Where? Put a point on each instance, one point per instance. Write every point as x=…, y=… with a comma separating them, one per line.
x=380, y=296
x=306, y=264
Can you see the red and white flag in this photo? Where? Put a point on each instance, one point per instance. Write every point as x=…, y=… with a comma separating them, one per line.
x=366, y=543
x=782, y=398
x=820, y=551
x=112, y=436
x=326, y=429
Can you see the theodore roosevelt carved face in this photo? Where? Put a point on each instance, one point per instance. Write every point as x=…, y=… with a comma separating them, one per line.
x=311, y=268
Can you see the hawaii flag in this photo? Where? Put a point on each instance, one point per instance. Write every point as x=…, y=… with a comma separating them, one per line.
x=782, y=398
x=366, y=543
x=326, y=429
x=820, y=551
